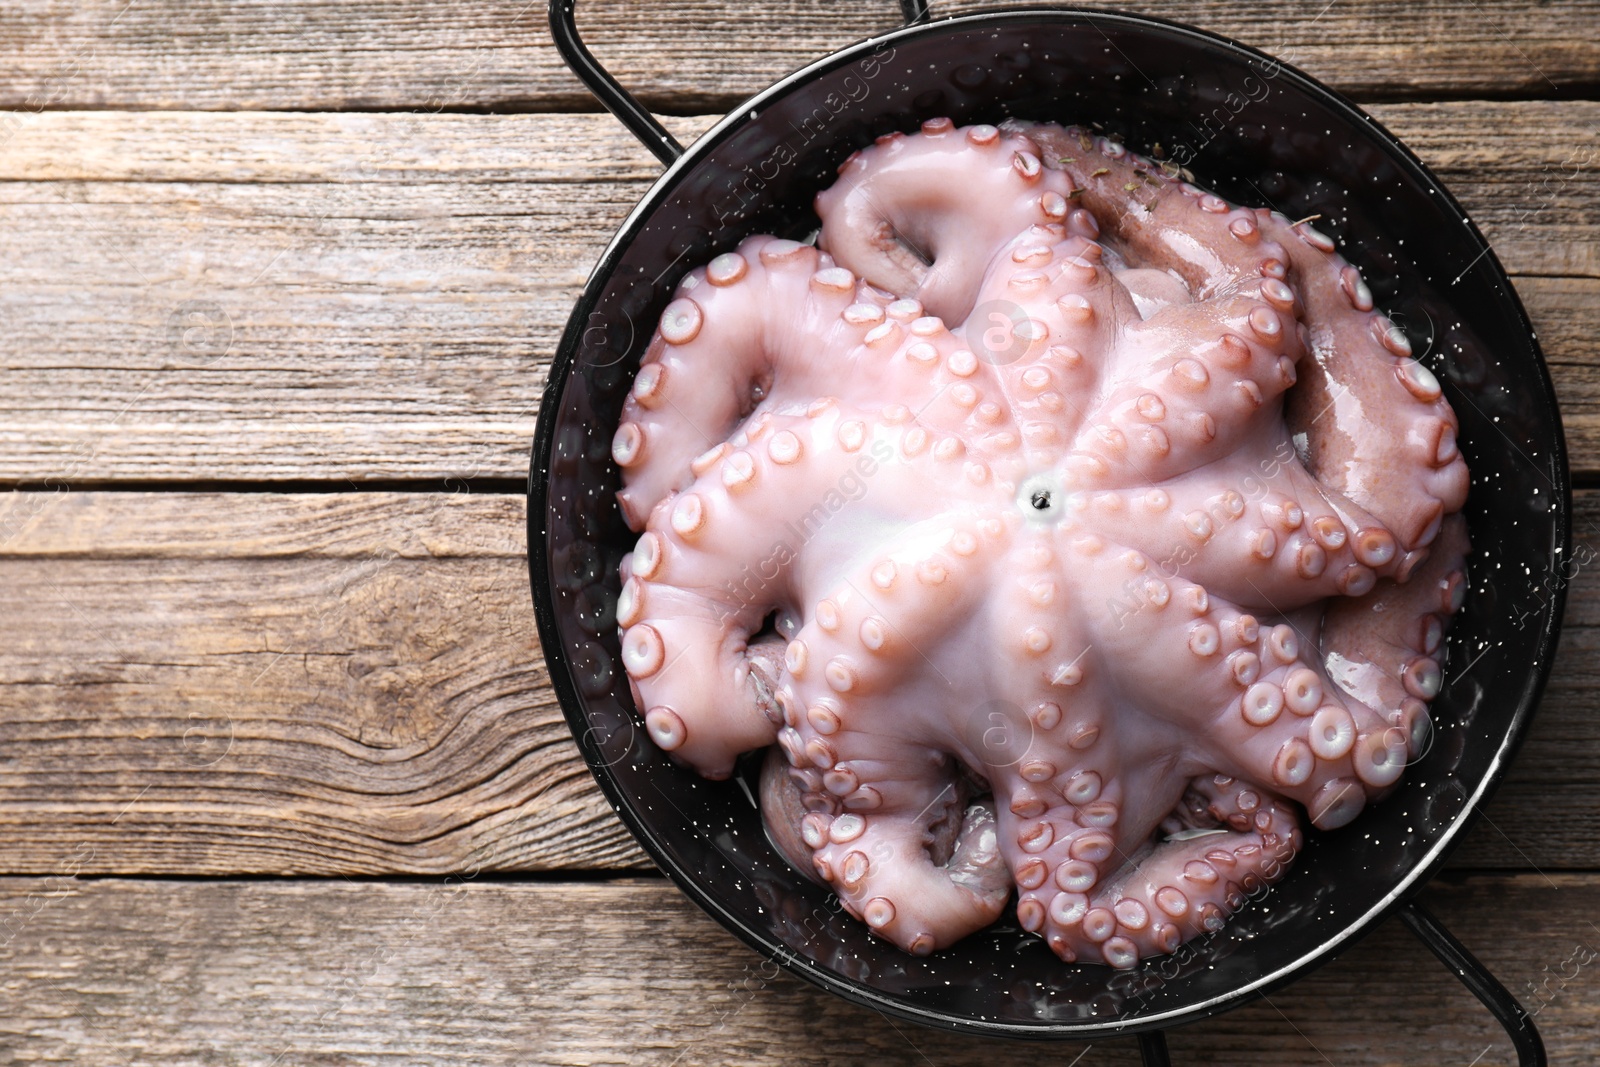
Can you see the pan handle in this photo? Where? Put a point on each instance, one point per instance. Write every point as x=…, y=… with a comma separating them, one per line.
x=623, y=104
x=1453, y=954
x=1153, y=1049
x=1476, y=977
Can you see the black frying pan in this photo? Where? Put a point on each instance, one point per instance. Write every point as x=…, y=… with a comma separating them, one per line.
x=1259, y=132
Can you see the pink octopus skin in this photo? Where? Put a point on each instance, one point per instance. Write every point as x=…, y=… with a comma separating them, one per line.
x=1100, y=612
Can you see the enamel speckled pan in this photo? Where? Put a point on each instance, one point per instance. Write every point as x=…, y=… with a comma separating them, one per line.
x=1251, y=127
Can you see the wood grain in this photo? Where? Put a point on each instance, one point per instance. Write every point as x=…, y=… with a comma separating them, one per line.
x=350, y=683
x=704, y=54
x=150, y=972
x=333, y=683
x=62, y=525
x=197, y=297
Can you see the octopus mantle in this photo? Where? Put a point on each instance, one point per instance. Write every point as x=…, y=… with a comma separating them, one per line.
x=1068, y=528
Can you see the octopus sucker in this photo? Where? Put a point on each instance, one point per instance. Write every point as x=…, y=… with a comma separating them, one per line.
x=1057, y=525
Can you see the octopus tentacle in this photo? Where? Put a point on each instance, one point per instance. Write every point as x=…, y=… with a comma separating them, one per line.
x=884, y=617
x=1246, y=676
x=1059, y=272
x=1146, y=622
x=1062, y=821
x=1401, y=462
x=875, y=808
x=1059, y=850
x=1264, y=536
x=924, y=216
x=1060, y=803
x=1251, y=678
x=1387, y=648
x=1194, y=882
x=750, y=322
x=1293, y=731
x=1182, y=888
x=1204, y=379
x=783, y=809
x=1094, y=900
x=709, y=569
x=1013, y=366
x=869, y=633
x=707, y=693
x=1151, y=216
x=1358, y=702
x=880, y=865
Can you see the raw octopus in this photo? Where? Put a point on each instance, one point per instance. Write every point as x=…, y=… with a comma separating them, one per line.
x=1068, y=528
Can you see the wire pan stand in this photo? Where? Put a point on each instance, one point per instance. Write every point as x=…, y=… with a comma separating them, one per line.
x=1419, y=920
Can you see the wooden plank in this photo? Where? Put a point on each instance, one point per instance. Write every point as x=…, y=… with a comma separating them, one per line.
x=61, y=525
x=387, y=336
x=117, y=972
x=705, y=54
x=218, y=684
x=1565, y=313
x=264, y=297
x=321, y=683
x=1535, y=203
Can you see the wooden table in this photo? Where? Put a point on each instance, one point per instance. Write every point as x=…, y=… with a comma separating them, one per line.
x=281, y=777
